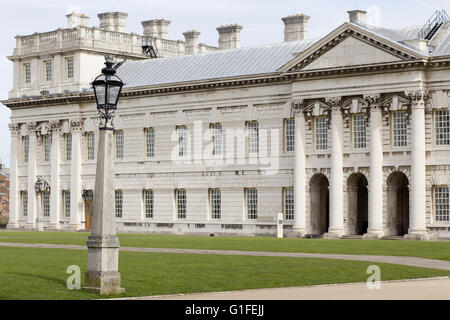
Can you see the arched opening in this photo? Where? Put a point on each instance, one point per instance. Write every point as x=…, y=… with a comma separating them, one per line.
x=358, y=218
x=319, y=204
x=398, y=203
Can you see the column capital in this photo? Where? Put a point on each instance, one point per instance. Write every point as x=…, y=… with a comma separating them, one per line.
x=55, y=126
x=417, y=96
x=298, y=106
x=334, y=103
x=31, y=128
x=76, y=125
x=14, y=128
x=373, y=101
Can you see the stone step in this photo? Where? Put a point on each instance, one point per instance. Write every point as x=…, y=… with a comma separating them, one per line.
x=392, y=238
x=352, y=236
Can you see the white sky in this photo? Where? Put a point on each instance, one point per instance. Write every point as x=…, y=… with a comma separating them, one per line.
x=261, y=20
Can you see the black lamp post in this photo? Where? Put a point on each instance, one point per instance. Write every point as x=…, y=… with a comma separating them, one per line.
x=102, y=274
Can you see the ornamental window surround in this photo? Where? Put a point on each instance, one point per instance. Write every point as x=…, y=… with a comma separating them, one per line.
x=441, y=127
x=359, y=130
x=252, y=137
x=69, y=68
x=320, y=133
x=216, y=139
x=399, y=128
x=27, y=73
x=48, y=68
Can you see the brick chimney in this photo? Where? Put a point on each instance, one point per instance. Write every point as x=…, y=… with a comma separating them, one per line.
x=295, y=27
x=113, y=21
x=229, y=36
x=76, y=19
x=191, y=41
x=357, y=16
x=158, y=28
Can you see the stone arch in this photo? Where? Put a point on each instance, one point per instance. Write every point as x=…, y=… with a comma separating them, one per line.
x=357, y=199
x=319, y=204
x=397, y=222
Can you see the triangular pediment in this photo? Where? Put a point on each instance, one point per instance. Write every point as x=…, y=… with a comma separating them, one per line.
x=349, y=46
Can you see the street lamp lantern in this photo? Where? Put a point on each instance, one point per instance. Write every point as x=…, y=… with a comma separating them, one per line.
x=107, y=88
x=102, y=274
x=39, y=184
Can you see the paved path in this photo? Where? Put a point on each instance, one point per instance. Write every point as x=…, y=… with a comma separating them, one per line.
x=408, y=261
x=418, y=289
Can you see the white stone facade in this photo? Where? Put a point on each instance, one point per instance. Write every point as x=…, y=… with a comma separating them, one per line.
x=371, y=155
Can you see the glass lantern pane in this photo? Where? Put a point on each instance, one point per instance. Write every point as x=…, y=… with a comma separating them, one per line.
x=100, y=94
x=113, y=94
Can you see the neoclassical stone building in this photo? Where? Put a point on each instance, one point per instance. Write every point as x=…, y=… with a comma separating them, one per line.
x=347, y=135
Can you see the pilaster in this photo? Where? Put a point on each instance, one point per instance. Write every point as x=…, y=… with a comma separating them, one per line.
x=76, y=203
x=32, y=199
x=13, y=190
x=54, y=177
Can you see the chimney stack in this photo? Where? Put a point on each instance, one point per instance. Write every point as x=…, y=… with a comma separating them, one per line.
x=157, y=28
x=295, y=27
x=76, y=19
x=191, y=41
x=229, y=36
x=357, y=16
x=113, y=21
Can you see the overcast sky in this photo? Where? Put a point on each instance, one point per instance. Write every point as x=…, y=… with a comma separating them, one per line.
x=261, y=20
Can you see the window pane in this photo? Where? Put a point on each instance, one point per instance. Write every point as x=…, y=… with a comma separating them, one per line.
x=399, y=129
x=217, y=138
x=289, y=203
x=148, y=203
x=66, y=202
x=26, y=148
x=442, y=127
x=69, y=67
x=24, y=203
x=46, y=201
x=180, y=195
x=90, y=145
x=48, y=71
x=215, y=201
x=321, y=133
x=289, y=133
x=68, y=144
x=182, y=141
x=441, y=203
x=27, y=69
x=253, y=137
x=119, y=144
x=119, y=202
x=359, y=131
x=150, y=142
x=252, y=204
x=47, y=146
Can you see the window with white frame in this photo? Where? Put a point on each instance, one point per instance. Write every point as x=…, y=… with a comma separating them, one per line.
x=26, y=148
x=90, y=143
x=289, y=134
x=252, y=203
x=118, y=203
x=150, y=142
x=46, y=203
x=180, y=198
x=288, y=197
x=321, y=133
x=252, y=137
x=68, y=146
x=148, y=203
x=399, y=128
x=118, y=134
x=24, y=195
x=441, y=203
x=48, y=71
x=217, y=139
x=442, y=127
x=215, y=202
x=359, y=130
x=27, y=72
x=69, y=68
x=47, y=140
x=182, y=141
x=66, y=203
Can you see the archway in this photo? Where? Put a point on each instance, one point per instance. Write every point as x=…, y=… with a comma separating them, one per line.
x=398, y=203
x=319, y=196
x=358, y=217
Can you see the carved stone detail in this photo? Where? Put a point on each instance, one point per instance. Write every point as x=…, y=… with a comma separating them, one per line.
x=76, y=125
x=14, y=128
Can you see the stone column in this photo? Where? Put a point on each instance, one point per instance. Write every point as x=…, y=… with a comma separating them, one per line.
x=55, y=196
x=13, y=190
x=336, y=228
x=32, y=201
x=375, y=228
x=299, y=171
x=417, y=229
x=76, y=203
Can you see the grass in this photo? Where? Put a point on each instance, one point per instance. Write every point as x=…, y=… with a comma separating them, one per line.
x=424, y=249
x=31, y=273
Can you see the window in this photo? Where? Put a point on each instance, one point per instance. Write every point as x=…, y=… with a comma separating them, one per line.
x=182, y=141
x=399, y=125
x=150, y=142
x=90, y=142
x=289, y=134
x=24, y=203
x=48, y=71
x=119, y=143
x=180, y=198
x=252, y=203
x=69, y=68
x=215, y=199
x=441, y=203
x=217, y=139
x=321, y=133
x=119, y=202
x=46, y=203
x=66, y=203
x=288, y=203
x=148, y=203
x=26, y=148
x=27, y=70
x=68, y=146
x=442, y=127
x=253, y=137
x=47, y=145
x=359, y=130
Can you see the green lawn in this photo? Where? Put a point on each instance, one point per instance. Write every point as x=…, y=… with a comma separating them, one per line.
x=425, y=249
x=30, y=273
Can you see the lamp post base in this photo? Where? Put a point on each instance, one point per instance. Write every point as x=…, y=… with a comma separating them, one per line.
x=103, y=282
